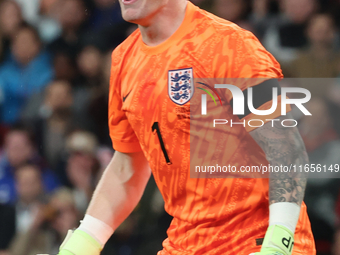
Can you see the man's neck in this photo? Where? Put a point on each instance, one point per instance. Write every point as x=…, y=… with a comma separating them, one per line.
x=164, y=24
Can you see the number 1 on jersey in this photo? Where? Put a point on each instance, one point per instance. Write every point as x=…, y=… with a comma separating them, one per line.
x=155, y=126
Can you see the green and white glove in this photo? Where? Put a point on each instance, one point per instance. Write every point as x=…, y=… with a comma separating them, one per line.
x=88, y=239
x=79, y=242
x=278, y=240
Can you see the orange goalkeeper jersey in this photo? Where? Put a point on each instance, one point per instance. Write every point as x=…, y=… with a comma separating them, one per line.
x=149, y=110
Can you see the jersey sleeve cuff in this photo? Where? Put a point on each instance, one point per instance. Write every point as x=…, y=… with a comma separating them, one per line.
x=126, y=147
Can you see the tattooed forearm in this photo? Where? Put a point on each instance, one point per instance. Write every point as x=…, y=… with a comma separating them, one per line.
x=283, y=146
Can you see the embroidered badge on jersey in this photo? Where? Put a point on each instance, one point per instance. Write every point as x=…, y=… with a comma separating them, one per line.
x=181, y=85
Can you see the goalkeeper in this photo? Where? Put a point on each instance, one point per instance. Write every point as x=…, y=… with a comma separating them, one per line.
x=149, y=119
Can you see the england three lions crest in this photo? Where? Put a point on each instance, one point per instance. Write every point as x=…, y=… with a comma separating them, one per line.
x=181, y=85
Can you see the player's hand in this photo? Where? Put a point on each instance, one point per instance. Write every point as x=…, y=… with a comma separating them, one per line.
x=279, y=240
x=79, y=243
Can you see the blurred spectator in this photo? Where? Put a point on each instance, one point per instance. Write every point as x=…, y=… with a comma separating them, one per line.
x=323, y=147
x=261, y=18
x=30, y=192
x=49, y=227
x=30, y=9
x=7, y=230
x=27, y=71
x=54, y=113
x=89, y=62
x=71, y=15
x=99, y=102
x=320, y=60
x=287, y=34
x=232, y=10
x=10, y=21
x=20, y=149
x=39, y=13
x=28, y=209
x=58, y=121
x=82, y=167
x=65, y=67
x=50, y=113
x=66, y=216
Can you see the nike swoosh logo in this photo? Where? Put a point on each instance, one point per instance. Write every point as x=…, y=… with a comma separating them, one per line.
x=124, y=98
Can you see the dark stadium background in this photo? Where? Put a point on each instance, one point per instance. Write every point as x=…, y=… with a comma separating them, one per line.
x=54, y=76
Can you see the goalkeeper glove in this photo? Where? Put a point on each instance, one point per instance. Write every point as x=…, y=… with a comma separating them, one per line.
x=278, y=240
x=79, y=242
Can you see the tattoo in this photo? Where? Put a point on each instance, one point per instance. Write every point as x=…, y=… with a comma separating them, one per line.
x=283, y=146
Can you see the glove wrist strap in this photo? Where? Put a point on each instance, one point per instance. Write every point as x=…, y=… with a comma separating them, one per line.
x=81, y=243
x=279, y=237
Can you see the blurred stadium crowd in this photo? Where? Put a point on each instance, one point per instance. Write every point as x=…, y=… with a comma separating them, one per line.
x=54, y=78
